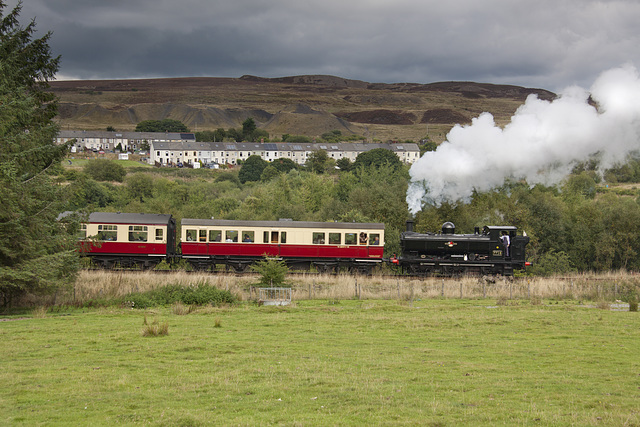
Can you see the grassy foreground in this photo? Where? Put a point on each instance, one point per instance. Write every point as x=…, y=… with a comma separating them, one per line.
x=429, y=362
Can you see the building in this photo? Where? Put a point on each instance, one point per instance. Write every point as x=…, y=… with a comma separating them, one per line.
x=128, y=141
x=170, y=153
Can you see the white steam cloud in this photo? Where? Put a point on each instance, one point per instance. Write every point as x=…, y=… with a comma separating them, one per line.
x=541, y=144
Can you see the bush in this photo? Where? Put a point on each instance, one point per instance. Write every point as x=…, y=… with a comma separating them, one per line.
x=105, y=170
x=199, y=294
x=551, y=263
x=272, y=272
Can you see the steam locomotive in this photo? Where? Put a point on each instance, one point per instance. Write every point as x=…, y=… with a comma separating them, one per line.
x=144, y=240
x=496, y=250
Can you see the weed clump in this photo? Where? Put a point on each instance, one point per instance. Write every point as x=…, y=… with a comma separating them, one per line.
x=39, y=312
x=155, y=328
x=181, y=309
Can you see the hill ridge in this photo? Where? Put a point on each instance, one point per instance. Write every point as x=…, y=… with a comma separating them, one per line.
x=305, y=105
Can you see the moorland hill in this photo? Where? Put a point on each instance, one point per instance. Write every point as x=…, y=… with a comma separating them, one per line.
x=299, y=105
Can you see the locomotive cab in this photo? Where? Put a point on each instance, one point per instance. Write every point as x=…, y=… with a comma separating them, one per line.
x=495, y=250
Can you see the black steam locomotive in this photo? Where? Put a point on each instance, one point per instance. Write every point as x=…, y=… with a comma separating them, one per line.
x=496, y=250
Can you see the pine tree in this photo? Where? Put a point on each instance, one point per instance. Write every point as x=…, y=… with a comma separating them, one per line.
x=36, y=251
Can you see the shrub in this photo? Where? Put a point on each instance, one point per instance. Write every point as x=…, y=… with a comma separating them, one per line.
x=200, y=294
x=272, y=272
x=105, y=170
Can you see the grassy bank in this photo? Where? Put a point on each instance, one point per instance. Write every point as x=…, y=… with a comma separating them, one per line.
x=100, y=285
x=325, y=362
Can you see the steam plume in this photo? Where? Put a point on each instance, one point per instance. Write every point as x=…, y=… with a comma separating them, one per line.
x=541, y=144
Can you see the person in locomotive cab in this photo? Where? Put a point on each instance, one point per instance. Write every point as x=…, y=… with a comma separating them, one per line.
x=506, y=242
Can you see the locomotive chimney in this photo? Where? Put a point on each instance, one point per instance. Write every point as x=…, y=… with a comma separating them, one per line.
x=410, y=225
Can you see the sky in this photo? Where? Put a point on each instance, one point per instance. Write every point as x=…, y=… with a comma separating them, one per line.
x=549, y=44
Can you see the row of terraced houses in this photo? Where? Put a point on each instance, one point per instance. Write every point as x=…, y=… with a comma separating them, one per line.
x=171, y=149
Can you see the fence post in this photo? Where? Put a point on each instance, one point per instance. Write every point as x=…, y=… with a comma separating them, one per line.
x=571, y=288
x=510, y=291
x=442, y=291
x=460, y=290
x=398, y=286
x=484, y=289
x=529, y=289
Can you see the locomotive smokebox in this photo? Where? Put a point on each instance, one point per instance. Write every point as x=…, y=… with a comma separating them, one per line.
x=410, y=224
x=448, y=228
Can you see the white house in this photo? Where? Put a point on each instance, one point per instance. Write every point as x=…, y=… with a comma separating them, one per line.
x=128, y=141
x=166, y=153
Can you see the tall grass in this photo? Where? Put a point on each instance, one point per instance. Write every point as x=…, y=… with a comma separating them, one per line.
x=105, y=285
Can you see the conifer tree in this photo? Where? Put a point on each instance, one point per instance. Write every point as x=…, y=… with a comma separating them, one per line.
x=36, y=251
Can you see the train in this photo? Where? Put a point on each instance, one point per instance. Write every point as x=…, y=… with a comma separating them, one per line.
x=142, y=240
x=494, y=250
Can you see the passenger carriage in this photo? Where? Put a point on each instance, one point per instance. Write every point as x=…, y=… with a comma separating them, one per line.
x=128, y=239
x=326, y=246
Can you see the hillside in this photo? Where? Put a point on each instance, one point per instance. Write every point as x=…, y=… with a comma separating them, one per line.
x=306, y=105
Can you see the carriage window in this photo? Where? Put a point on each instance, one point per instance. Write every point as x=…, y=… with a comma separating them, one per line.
x=318, y=238
x=335, y=238
x=203, y=236
x=363, y=238
x=375, y=239
x=247, y=236
x=283, y=237
x=82, y=234
x=192, y=235
x=231, y=236
x=137, y=233
x=159, y=234
x=350, y=238
x=265, y=237
x=108, y=232
x=215, y=235
x=274, y=237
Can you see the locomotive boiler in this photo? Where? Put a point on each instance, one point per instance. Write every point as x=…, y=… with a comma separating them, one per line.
x=494, y=250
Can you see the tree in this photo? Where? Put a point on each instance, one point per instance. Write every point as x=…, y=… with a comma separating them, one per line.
x=284, y=165
x=272, y=272
x=428, y=145
x=317, y=161
x=377, y=157
x=140, y=185
x=164, y=125
x=248, y=128
x=344, y=164
x=269, y=173
x=37, y=253
x=252, y=169
x=105, y=170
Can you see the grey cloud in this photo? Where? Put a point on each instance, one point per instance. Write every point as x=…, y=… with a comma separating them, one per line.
x=545, y=43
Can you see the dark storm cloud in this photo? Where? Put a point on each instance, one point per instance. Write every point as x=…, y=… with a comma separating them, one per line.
x=544, y=43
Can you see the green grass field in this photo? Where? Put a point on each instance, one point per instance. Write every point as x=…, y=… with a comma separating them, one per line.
x=429, y=362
